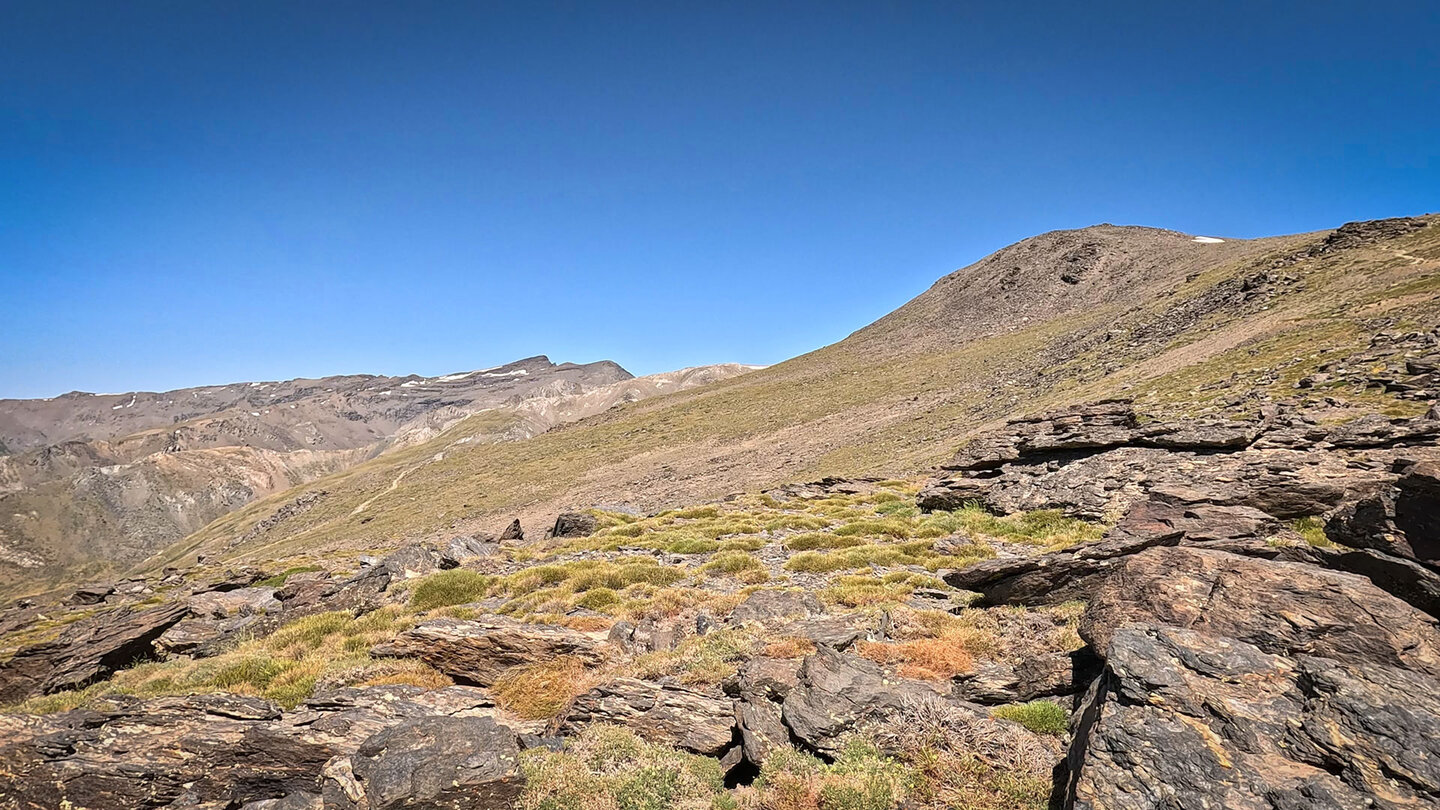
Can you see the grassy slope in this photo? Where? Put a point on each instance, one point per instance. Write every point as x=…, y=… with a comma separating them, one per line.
x=877, y=403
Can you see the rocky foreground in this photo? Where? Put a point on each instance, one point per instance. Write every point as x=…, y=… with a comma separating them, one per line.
x=1087, y=609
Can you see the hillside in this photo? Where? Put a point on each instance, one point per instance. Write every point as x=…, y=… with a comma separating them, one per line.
x=1162, y=533
x=99, y=481
x=1184, y=324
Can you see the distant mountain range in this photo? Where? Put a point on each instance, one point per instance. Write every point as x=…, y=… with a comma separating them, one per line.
x=90, y=481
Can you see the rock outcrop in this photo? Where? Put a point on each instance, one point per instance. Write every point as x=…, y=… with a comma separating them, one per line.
x=479, y=651
x=672, y=715
x=1248, y=683
x=87, y=651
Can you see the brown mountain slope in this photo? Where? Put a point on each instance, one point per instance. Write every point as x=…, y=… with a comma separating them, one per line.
x=1182, y=324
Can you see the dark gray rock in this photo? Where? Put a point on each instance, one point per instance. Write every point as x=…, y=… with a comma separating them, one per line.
x=672, y=715
x=574, y=524
x=1282, y=608
x=92, y=594
x=770, y=607
x=1187, y=719
x=88, y=651
x=434, y=763
x=837, y=692
x=479, y=651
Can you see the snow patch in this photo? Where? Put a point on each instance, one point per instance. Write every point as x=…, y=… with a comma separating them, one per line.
x=519, y=372
x=454, y=377
x=1207, y=240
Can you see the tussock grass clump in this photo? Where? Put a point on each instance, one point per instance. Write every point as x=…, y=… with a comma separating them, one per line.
x=542, y=691
x=731, y=562
x=1040, y=716
x=610, y=768
x=447, y=588
x=931, y=659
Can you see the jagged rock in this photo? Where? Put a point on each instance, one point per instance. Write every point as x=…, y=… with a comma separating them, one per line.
x=838, y=692
x=1188, y=719
x=435, y=763
x=232, y=580
x=416, y=560
x=238, y=602
x=644, y=637
x=1052, y=578
x=131, y=753
x=1417, y=510
x=479, y=651
x=771, y=606
x=1409, y=580
x=87, y=651
x=92, y=594
x=1032, y=677
x=1096, y=460
x=1283, y=608
x=671, y=715
x=949, y=494
x=760, y=686
x=574, y=524
x=1373, y=430
x=461, y=550
x=839, y=631
x=513, y=533
x=206, y=750
x=202, y=637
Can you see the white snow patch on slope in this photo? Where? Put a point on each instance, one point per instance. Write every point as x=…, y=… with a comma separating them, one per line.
x=453, y=377
x=519, y=372
x=1207, y=240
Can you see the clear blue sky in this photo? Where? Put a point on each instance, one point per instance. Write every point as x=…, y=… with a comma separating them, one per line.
x=202, y=192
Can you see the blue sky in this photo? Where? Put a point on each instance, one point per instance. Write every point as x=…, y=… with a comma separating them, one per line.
x=202, y=192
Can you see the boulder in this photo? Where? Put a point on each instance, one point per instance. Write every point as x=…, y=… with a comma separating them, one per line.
x=87, y=651
x=672, y=715
x=513, y=533
x=478, y=651
x=92, y=594
x=124, y=752
x=218, y=751
x=837, y=692
x=574, y=524
x=1282, y=608
x=645, y=637
x=1188, y=719
x=771, y=607
x=461, y=550
x=237, y=602
x=1053, y=578
x=434, y=763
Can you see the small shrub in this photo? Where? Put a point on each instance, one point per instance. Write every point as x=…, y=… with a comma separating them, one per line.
x=1040, y=716
x=1312, y=530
